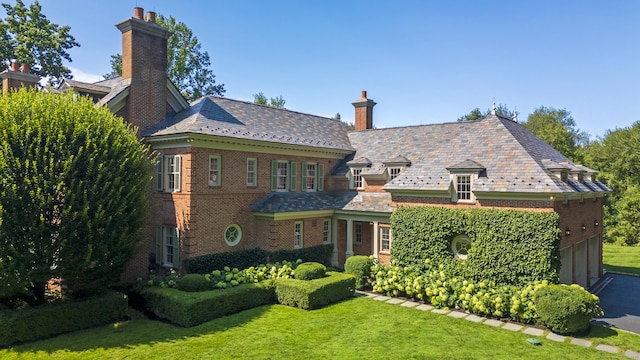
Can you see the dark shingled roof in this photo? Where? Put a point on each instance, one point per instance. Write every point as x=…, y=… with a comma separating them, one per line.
x=280, y=202
x=515, y=160
x=212, y=115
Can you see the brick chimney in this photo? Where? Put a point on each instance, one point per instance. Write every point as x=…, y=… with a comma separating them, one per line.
x=15, y=77
x=144, y=69
x=364, y=112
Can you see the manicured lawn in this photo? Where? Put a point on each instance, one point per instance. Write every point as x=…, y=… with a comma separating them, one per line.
x=361, y=328
x=625, y=259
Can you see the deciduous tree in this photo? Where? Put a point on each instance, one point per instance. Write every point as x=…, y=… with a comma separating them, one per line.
x=261, y=99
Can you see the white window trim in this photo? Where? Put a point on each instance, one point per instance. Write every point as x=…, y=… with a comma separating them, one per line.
x=314, y=185
x=326, y=231
x=238, y=231
x=357, y=233
x=163, y=234
x=177, y=174
x=217, y=170
x=287, y=176
x=390, y=169
x=298, y=235
x=472, y=197
x=382, y=230
x=254, y=172
x=352, y=178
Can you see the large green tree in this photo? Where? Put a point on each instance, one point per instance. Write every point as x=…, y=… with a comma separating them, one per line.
x=27, y=36
x=617, y=157
x=557, y=128
x=188, y=66
x=73, y=193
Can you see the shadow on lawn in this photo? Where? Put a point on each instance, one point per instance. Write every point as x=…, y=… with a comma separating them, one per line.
x=140, y=330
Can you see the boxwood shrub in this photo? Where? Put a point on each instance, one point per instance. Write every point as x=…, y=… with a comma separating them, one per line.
x=44, y=321
x=193, y=283
x=319, y=253
x=194, y=308
x=566, y=308
x=509, y=247
x=309, y=271
x=360, y=267
x=316, y=293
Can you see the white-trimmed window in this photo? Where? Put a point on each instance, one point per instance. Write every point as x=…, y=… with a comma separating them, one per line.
x=168, y=246
x=394, y=172
x=298, y=235
x=232, y=234
x=358, y=233
x=252, y=172
x=356, y=178
x=215, y=164
x=326, y=231
x=312, y=176
x=463, y=188
x=385, y=239
x=283, y=175
x=168, y=173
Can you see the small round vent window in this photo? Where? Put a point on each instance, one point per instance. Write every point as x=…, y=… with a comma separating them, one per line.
x=232, y=235
x=460, y=246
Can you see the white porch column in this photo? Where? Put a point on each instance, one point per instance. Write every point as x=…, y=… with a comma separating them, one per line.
x=376, y=239
x=334, y=241
x=349, y=251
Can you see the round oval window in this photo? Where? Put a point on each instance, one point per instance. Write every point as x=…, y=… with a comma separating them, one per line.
x=232, y=235
x=460, y=246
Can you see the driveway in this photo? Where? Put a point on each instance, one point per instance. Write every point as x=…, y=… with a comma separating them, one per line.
x=620, y=299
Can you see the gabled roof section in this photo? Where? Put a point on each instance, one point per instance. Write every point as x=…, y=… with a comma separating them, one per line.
x=397, y=160
x=83, y=87
x=514, y=160
x=218, y=116
x=359, y=161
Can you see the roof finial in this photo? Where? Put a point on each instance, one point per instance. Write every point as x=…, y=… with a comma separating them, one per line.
x=515, y=116
x=493, y=108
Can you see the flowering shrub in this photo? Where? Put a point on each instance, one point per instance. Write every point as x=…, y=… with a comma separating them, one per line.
x=436, y=286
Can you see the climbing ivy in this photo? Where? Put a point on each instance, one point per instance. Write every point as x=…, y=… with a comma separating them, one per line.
x=510, y=247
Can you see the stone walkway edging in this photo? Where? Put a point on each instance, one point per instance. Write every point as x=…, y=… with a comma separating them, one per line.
x=500, y=324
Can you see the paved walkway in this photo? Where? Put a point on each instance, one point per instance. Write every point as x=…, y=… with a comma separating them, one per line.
x=534, y=332
x=620, y=299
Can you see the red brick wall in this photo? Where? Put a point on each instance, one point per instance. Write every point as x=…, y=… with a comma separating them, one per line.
x=576, y=213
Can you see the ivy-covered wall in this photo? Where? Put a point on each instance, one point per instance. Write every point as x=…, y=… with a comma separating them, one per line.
x=507, y=246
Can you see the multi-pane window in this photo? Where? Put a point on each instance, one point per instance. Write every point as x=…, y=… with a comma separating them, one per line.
x=298, y=235
x=214, y=170
x=252, y=169
x=394, y=172
x=167, y=246
x=463, y=187
x=310, y=176
x=358, y=233
x=168, y=173
x=356, y=178
x=283, y=175
x=326, y=229
x=385, y=239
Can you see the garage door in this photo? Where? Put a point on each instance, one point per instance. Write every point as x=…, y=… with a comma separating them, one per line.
x=566, y=269
x=580, y=263
x=594, y=259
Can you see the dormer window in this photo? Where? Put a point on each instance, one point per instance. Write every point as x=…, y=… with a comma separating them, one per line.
x=395, y=166
x=394, y=172
x=463, y=188
x=356, y=178
x=462, y=176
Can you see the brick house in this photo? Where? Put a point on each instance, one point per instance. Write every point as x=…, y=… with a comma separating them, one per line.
x=235, y=175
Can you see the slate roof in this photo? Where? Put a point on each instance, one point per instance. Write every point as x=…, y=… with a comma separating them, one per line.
x=280, y=202
x=514, y=159
x=213, y=115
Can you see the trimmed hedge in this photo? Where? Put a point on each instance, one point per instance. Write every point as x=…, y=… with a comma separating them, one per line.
x=244, y=259
x=316, y=293
x=194, y=308
x=309, y=271
x=44, y=321
x=193, y=283
x=360, y=267
x=510, y=247
x=566, y=309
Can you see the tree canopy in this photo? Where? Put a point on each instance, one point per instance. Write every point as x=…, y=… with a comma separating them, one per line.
x=276, y=102
x=476, y=114
x=188, y=66
x=74, y=183
x=27, y=36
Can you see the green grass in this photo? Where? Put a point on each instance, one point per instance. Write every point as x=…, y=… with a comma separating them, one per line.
x=624, y=259
x=361, y=328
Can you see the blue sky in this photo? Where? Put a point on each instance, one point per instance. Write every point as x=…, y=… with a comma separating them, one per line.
x=421, y=61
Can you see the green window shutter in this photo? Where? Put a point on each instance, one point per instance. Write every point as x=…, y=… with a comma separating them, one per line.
x=159, y=176
x=178, y=165
x=303, y=183
x=320, y=177
x=274, y=175
x=176, y=248
x=292, y=179
x=159, y=245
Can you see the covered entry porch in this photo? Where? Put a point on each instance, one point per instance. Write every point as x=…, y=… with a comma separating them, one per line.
x=358, y=233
